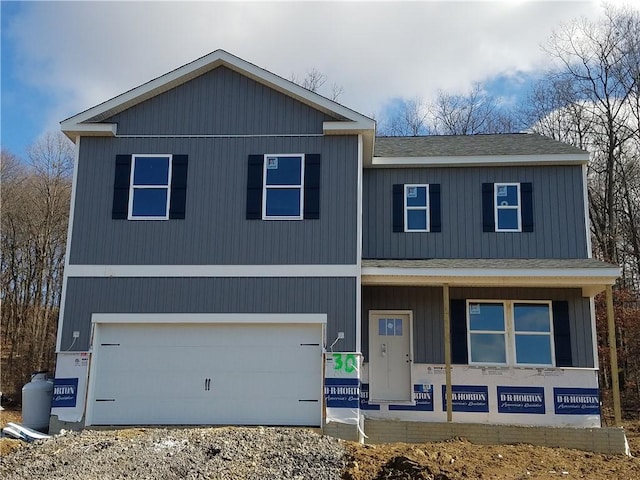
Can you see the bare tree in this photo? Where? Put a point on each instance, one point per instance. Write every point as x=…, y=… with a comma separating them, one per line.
x=592, y=100
x=410, y=118
x=553, y=109
x=593, y=57
x=35, y=204
x=314, y=80
x=476, y=112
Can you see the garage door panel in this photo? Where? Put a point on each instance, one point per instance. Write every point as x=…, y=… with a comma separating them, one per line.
x=209, y=359
x=244, y=412
x=116, y=383
x=259, y=374
x=193, y=335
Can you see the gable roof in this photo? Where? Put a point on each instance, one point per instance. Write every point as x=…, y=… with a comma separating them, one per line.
x=466, y=150
x=89, y=122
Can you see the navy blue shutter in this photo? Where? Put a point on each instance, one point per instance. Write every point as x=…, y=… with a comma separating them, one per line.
x=526, y=196
x=458, y=315
x=562, y=334
x=254, y=187
x=488, y=220
x=177, y=207
x=311, y=186
x=120, y=209
x=434, y=208
x=398, y=207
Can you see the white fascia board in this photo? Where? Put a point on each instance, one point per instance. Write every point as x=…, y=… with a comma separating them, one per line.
x=591, y=281
x=347, y=128
x=240, y=271
x=226, y=318
x=73, y=130
x=610, y=273
x=481, y=160
x=200, y=66
x=366, y=130
x=359, y=235
x=589, y=286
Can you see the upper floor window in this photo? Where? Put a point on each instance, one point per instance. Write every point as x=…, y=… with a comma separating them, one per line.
x=510, y=333
x=416, y=208
x=150, y=187
x=507, y=207
x=283, y=187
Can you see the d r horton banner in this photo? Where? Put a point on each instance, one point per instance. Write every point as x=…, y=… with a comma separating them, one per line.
x=70, y=386
x=576, y=401
x=342, y=387
x=65, y=392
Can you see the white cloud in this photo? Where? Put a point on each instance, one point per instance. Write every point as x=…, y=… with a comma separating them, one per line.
x=83, y=53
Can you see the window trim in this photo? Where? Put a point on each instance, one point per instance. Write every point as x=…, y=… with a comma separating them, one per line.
x=510, y=333
x=497, y=207
x=266, y=187
x=407, y=208
x=133, y=187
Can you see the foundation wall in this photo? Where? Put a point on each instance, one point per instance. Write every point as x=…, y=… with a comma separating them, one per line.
x=601, y=440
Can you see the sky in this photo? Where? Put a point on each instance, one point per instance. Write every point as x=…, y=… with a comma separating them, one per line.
x=60, y=58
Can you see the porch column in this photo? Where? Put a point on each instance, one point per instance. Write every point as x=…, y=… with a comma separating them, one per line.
x=447, y=351
x=613, y=358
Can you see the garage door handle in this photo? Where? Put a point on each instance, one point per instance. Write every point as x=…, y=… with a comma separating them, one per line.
x=207, y=384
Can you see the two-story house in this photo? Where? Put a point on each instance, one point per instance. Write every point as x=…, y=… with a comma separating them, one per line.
x=228, y=227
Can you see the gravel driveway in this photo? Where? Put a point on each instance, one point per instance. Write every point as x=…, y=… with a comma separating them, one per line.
x=192, y=453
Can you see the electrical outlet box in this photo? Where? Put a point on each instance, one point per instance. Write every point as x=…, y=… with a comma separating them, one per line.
x=76, y=334
x=341, y=335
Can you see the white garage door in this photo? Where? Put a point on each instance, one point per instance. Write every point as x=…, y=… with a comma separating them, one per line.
x=241, y=374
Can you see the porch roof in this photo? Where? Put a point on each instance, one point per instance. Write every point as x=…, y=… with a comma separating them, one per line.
x=589, y=274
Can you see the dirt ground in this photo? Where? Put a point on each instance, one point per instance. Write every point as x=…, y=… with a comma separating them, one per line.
x=459, y=459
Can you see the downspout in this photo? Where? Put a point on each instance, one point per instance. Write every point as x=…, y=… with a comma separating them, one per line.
x=447, y=351
x=613, y=358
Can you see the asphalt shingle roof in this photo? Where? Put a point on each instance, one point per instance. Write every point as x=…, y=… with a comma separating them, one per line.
x=472, y=145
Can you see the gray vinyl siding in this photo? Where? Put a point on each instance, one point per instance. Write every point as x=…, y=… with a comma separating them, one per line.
x=426, y=305
x=558, y=208
x=85, y=296
x=220, y=102
x=428, y=315
x=215, y=230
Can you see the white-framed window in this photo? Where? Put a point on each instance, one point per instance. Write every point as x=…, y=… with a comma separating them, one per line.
x=416, y=208
x=507, y=205
x=510, y=332
x=283, y=192
x=150, y=187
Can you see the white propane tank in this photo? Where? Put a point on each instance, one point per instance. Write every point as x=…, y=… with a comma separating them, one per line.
x=36, y=402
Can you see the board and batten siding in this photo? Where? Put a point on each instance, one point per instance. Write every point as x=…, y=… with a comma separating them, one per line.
x=558, y=209
x=215, y=230
x=85, y=296
x=428, y=315
x=220, y=102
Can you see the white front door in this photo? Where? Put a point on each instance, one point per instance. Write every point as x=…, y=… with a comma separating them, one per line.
x=390, y=356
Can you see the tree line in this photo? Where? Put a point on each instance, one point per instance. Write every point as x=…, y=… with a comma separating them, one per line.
x=35, y=198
